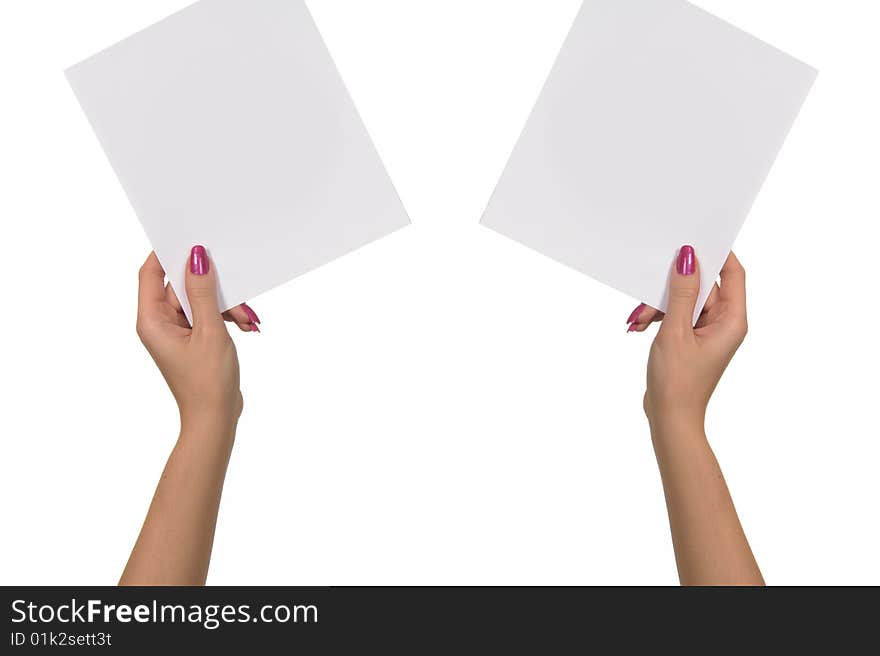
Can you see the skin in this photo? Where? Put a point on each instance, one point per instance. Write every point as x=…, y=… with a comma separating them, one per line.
x=200, y=366
x=684, y=368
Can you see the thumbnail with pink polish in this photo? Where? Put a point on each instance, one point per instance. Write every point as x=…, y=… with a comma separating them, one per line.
x=199, y=264
x=687, y=261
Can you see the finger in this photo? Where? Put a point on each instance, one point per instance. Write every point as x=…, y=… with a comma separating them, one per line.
x=684, y=289
x=642, y=317
x=645, y=315
x=243, y=316
x=151, y=282
x=201, y=290
x=642, y=314
x=246, y=327
x=714, y=297
x=243, y=326
x=171, y=298
x=733, y=284
x=707, y=315
x=172, y=302
x=640, y=327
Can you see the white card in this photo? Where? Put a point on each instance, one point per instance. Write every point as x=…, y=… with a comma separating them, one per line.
x=228, y=125
x=656, y=128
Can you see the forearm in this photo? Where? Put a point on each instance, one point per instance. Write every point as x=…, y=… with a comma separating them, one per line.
x=174, y=546
x=710, y=545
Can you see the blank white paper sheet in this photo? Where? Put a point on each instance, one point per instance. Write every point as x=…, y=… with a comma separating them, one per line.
x=656, y=128
x=228, y=125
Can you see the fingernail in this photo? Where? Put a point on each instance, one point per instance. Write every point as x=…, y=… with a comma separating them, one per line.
x=687, y=261
x=635, y=315
x=251, y=315
x=255, y=328
x=198, y=263
x=633, y=327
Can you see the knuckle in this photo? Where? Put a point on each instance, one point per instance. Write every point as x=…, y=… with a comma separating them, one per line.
x=681, y=293
x=738, y=328
x=143, y=328
x=201, y=293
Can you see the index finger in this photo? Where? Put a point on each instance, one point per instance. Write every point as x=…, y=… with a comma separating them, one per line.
x=733, y=283
x=151, y=281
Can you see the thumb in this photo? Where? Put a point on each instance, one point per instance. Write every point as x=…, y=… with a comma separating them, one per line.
x=684, y=289
x=201, y=289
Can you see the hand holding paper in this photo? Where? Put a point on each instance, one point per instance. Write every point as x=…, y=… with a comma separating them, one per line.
x=228, y=125
x=684, y=368
x=200, y=365
x=657, y=127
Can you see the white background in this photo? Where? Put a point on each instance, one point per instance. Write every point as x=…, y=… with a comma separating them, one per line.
x=443, y=406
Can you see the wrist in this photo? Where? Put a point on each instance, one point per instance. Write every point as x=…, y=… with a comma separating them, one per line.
x=671, y=422
x=669, y=411
x=676, y=430
x=216, y=415
x=212, y=426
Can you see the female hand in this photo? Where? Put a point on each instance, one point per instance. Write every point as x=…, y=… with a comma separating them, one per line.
x=200, y=363
x=687, y=362
x=684, y=367
x=201, y=367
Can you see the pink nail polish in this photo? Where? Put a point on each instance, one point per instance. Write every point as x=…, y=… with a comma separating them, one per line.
x=251, y=315
x=632, y=328
x=687, y=261
x=635, y=315
x=198, y=264
x=255, y=328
